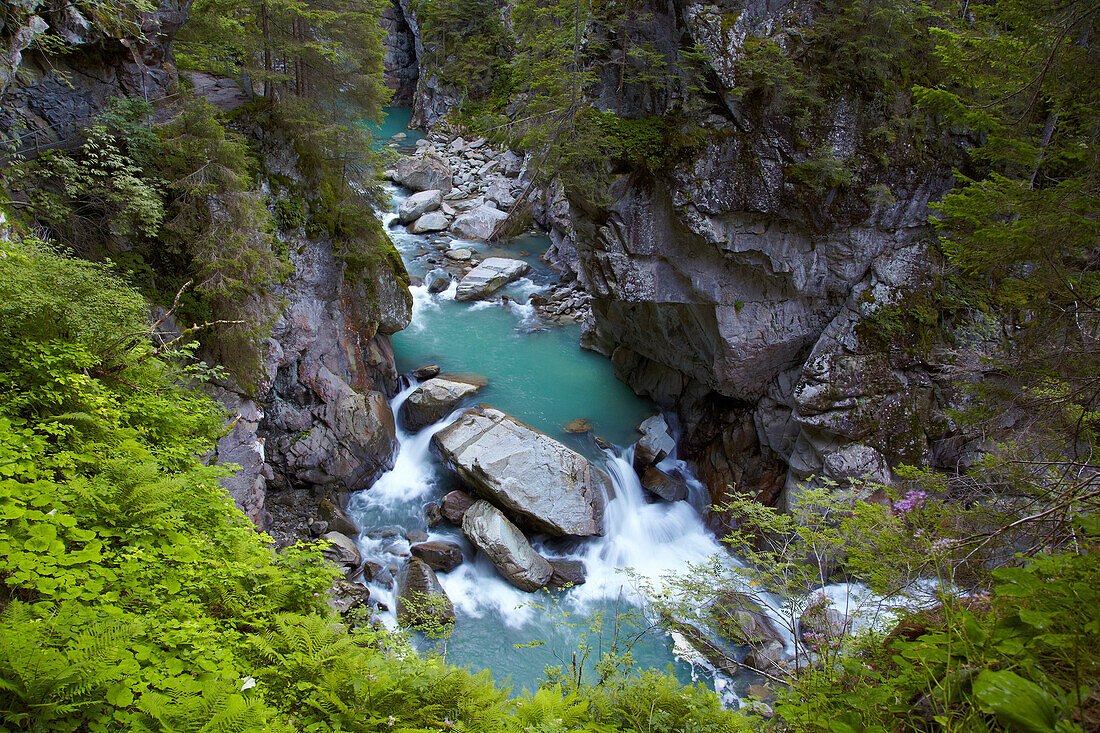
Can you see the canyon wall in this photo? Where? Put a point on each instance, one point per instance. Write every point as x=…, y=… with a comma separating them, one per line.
x=733, y=291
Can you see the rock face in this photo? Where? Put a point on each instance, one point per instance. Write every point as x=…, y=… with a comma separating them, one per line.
x=417, y=204
x=480, y=223
x=533, y=477
x=434, y=400
x=491, y=532
x=488, y=277
x=46, y=98
x=738, y=295
x=320, y=423
x=399, y=67
x=426, y=173
x=421, y=600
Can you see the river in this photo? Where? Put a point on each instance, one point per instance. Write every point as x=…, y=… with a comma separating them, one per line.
x=539, y=374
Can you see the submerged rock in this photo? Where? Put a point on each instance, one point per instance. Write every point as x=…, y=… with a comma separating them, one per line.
x=535, y=478
x=488, y=277
x=455, y=505
x=440, y=556
x=419, y=204
x=491, y=532
x=421, y=600
x=480, y=223
x=434, y=400
x=578, y=425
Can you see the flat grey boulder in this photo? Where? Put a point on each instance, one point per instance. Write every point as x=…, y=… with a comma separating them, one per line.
x=491, y=532
x=436, y=221
x=427, y=173
x=434, y=399
x=419, y=204
x=490, y=276
x=421, y=600
x=536, y=479
x=480, y=223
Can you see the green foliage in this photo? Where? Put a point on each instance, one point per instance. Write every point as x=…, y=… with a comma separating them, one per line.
x=172, y=202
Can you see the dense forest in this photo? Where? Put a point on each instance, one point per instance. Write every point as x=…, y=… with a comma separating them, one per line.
x=148, y=247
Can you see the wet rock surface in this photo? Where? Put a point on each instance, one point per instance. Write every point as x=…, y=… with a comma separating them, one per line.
x=436, y=398
x=421, y=600
x=488, y=277
x=505, y=545
x=441, y=556
x=533, y=477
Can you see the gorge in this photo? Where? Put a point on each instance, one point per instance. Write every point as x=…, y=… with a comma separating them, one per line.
x=351, y=348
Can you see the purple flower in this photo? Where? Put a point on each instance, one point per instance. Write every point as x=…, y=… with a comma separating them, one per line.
x=912, y=500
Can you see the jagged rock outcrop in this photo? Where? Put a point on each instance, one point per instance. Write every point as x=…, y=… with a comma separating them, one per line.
x=322, y=419
x=536, y=479
x=399, y=62
x=46, y=100
x=737, y=295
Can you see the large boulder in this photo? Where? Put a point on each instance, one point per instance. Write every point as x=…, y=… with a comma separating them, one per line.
x=490, y=276
x=480, y=223
x=434, y=400
x=428, y=173
x=433, y=222
x=335, y=519
x=491, y=532
x=741, y=619
x=535, y=478
x=418, y=204
x=566, y=573
x=440, y=555
x=421, y=600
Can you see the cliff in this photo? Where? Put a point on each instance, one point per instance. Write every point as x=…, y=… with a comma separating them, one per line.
x=739, y=282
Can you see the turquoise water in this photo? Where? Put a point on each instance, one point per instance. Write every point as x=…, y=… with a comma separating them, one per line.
x=396, y=120
x=541, y=377
x=539, y=374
